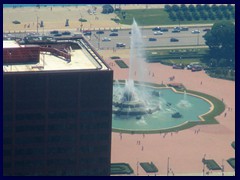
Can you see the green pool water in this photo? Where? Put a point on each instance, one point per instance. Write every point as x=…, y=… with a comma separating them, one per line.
x=189, y=106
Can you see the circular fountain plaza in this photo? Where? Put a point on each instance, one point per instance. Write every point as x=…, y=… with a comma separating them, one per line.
x=140, y=107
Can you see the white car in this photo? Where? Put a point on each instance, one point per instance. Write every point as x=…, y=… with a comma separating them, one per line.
x=158, y=33
x=196, y=31
x=106, y=39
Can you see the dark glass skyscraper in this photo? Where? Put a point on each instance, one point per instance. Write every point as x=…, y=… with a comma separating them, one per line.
x=57, y=113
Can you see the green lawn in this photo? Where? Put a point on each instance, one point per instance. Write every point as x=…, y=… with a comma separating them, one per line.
x=150, y=17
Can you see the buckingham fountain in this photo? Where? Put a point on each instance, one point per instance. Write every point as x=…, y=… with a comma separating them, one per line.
x=138, y=106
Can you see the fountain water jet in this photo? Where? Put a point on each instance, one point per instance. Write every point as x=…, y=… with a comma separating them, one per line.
x=130, y=103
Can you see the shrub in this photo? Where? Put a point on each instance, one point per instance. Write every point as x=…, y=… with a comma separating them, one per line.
x=191, y=8
x=206, y=7
x=199, y=7
x=82, y=20
x=215, y=8
x=184, y=8
x=175, y=8
x=167, y=8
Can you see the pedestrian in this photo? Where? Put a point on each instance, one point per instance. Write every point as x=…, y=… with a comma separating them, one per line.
x=142, y=148
x=228, y=108
x=225, y=114
x=143, y=135
x=201, y=82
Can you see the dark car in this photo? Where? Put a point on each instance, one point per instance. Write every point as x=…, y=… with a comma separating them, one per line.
x=100, y=32
x=66, y=33
x=58, y=34
x=156, y=29
x=120, y=45
x=174, y=40
x=183, y=28
x=164, y=29
x=176, y=30
x=114, y=30
x=197, y=68
x=207, y=29
x=87, y=33
x=152, y=39
x=54, y=32
x=178, y=66
x=113, y=34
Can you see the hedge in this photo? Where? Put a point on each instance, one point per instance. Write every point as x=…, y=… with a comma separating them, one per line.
x=231, y=161
x=149, y=167
x=211, y=164
x=121, y=64
x=121, y=168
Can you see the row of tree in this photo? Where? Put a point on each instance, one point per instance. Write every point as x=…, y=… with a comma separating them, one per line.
x=199, y=7
x=198, y=12
x=189, y=16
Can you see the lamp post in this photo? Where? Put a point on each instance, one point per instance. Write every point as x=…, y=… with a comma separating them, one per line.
x=222, y=167
x=203, y=161
x=168, y=166
x=37, y=24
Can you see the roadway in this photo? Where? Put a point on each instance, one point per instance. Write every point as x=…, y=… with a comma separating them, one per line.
x=186, y=38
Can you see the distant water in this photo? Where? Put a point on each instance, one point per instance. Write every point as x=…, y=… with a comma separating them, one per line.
x=43, y=5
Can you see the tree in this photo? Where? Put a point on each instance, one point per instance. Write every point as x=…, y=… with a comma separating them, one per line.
x=221, y=42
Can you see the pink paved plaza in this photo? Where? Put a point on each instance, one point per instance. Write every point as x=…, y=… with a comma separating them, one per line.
x=185, y=148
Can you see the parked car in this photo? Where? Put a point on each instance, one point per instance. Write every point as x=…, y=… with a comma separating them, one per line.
x=66, y=33
x=174, y=40
x=99, y=32
x=197, y=68
x=54, y=32
x=130, y=32
x=158, y=33
x=120, y=45
x=58, y=34
x=189, y=66
x=196, y=31
x=178, y=66
x=113, y=34
x=106, y=39
x=152, y=39
x=114, y=30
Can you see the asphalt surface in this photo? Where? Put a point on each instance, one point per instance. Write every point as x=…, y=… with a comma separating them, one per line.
x=186, y=38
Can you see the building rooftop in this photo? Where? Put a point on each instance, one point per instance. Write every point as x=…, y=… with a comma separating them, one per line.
x=81, y=59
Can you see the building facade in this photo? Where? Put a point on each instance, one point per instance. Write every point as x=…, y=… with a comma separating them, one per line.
x=57, y=122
